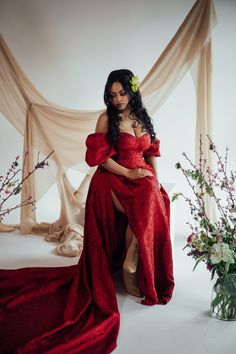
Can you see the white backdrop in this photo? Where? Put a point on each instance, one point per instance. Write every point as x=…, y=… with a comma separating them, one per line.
x=87, y=39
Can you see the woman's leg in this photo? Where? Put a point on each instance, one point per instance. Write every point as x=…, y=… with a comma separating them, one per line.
x=128, y=237
x=131, y=261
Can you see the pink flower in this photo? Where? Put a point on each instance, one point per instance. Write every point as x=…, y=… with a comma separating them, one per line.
x=190, y=238
x=7, y=191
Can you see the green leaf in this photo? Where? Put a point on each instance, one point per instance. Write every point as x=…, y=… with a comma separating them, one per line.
x=209, y=190
x=213, y=273
x=175, y=196
x=226, y=267
x=178, y=165
x=198, y=261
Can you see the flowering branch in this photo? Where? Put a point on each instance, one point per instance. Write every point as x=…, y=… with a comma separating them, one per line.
x=213, y=242
x=10, y=187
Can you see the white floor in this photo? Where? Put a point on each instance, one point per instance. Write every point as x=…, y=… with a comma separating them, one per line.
x=183, y=326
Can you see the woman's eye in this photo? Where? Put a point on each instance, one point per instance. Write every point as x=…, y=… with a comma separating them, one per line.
x=121, y=93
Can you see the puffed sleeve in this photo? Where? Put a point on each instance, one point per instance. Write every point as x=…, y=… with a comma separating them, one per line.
x=99, y=149
x=154, y=149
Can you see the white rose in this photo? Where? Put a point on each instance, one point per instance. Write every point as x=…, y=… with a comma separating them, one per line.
x=216, y=253
x=221, y=252
x=227, y=253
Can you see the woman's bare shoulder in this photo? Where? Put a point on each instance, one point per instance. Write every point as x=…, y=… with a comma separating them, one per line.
x=102, y=123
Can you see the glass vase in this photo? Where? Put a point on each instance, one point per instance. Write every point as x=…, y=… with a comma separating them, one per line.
x=223, y=301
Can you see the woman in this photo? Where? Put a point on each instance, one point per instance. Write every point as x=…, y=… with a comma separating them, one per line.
x=125, y=148
x=74, y=309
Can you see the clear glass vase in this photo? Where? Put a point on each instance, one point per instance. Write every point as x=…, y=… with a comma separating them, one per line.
x=223, y=301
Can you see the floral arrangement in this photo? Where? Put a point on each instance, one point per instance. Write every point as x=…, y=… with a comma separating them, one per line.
x=11, y=185
x=213, y=241
x=134, y=82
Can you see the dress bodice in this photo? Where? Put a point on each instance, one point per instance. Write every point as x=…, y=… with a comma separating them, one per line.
x=129, y=152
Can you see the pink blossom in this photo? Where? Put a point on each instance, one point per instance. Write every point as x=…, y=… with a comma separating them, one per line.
x=190, y=238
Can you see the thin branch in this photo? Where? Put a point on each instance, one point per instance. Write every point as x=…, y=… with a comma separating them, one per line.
x=38, y=165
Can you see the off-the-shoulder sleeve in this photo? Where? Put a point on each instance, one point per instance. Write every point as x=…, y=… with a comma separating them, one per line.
x=99, y=149
x=154, y=149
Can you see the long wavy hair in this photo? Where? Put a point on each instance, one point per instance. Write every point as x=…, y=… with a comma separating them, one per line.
x=123, y=76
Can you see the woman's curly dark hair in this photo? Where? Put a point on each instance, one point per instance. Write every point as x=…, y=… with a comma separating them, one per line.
x=123, y=76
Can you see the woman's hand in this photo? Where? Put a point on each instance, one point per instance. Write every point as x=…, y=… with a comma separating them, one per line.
x=138, y=173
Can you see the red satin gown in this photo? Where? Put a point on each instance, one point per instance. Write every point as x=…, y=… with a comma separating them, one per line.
x=74, y=309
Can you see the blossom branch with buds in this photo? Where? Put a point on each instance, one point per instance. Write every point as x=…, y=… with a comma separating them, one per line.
x=11, y=186
x=213, y=242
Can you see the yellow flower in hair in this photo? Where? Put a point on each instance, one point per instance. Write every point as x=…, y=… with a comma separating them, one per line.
x=134, y=83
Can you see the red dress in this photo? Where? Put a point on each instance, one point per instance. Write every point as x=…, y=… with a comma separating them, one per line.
x=74, y=309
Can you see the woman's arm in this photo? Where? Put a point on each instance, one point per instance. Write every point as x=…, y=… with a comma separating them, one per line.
x=109, y=164
x=114, y=167
x=152, y=161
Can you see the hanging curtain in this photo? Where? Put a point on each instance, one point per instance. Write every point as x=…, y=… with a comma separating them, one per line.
x=47, y=126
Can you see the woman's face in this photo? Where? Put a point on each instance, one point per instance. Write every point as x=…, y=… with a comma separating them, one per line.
x=120, y=97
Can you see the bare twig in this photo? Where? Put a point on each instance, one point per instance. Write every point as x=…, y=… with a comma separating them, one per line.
x=9, y=182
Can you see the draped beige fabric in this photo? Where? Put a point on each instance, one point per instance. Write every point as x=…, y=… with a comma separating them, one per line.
x=47, y=126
